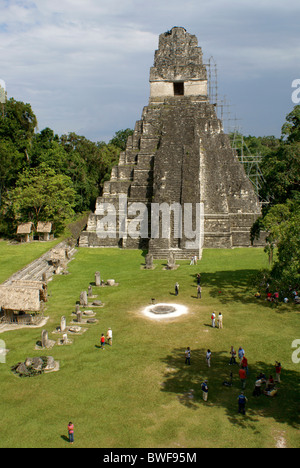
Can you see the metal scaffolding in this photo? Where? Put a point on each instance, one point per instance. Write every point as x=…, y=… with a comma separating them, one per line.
x=251, y=162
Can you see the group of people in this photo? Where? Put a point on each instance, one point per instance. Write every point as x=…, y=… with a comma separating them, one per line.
x=199, y=289
x=219, y=321
x=268, y=384
x=275, y=296
x=107, y=339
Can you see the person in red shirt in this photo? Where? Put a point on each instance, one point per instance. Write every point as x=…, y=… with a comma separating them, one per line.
x=102, y=341
x=71, y=432
x=270, y=383
x=276, y=296
x=244, y=364
x=278, y=371
x=269, y=297
x=243, y=376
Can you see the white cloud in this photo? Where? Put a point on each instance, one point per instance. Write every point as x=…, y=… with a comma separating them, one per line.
x=76, y=60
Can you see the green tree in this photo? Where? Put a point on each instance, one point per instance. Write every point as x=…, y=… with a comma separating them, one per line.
x=42, y=195
x=281, y=171
x=283, y=226
x=89, y=165
x=10, y=164
x=120, y=138
x=291, y=128
x=281, y=219
x=109, y=158
x=18, y=125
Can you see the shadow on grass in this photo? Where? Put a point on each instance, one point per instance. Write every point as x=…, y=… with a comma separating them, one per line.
x=229, y=286
x=185, y=382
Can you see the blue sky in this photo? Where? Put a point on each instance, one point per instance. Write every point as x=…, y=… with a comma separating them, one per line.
x=83, y=65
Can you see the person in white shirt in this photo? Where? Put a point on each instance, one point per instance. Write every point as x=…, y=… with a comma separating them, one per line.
x=188, y=355
x=213, y=320
x=220, y=320
x=109, y=336
x=208, y=357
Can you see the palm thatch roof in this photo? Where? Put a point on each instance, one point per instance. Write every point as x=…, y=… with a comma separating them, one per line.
x=19, y=298
x=44, y=227
x=24, y=228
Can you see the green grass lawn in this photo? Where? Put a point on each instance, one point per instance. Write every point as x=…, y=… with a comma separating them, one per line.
x=14, y=256
x=136, y=393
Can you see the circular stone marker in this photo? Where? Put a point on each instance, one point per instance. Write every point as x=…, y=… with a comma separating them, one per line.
x=161, y=311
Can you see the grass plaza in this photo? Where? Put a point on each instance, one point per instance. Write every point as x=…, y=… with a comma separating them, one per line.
x=139, y=393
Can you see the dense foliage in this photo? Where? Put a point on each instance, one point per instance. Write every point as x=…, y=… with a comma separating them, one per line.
x=46, y=177
x=281, y=217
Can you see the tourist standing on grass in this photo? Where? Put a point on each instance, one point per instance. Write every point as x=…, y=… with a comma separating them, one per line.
x=243, y=376
x=204, y=388
x=213, y=320
x=241, y=354
x=102, y=341
x=188, y=356
x=242, y=403
x=176, y=289
x=109, y=336
x=198, y=279
x=208, y=357
x=198, y=291
x=233, y=356
x=278, y=371
x=220, y=320
x=71, y=432
x=244, y=364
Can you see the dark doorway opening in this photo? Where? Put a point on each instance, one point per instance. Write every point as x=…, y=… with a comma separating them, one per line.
x=179, y=88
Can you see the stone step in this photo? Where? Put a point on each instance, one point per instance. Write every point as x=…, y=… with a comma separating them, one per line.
x=35, y=270
x=180, y=254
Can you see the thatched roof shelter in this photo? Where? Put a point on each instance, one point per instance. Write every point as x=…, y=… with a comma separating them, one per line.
x=31, y=284
x=20, y=298
x=25, y=228
x=24, y=231
x=43, y=230
x=44, y=227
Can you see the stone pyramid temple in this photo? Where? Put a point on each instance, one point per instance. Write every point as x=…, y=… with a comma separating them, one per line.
x=179, y=162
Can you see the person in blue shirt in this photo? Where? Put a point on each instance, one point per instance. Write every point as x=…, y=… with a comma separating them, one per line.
x=241, y=354
x=204, y=388
x=242, y=403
